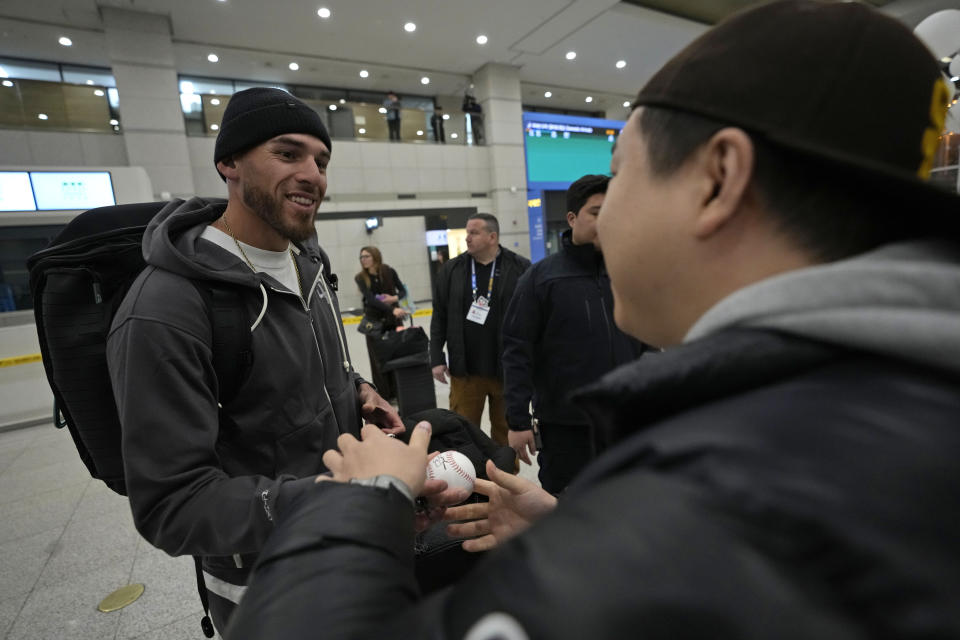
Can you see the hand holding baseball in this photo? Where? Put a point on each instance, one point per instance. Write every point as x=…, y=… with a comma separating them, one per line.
x=454, y=468
x=514, y=505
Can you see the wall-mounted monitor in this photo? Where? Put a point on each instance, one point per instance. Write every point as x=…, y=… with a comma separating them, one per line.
x=437, y=238
x=15, y=191
x=372, y=223
x=562, y=148
x=69, y=191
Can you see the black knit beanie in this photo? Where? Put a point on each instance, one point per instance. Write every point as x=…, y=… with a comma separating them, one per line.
x=255, y=115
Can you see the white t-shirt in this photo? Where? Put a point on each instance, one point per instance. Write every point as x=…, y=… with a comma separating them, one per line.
x=276, y=264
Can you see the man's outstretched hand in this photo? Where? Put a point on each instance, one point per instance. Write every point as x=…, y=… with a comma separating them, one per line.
x=514, y=505
x=378, y=411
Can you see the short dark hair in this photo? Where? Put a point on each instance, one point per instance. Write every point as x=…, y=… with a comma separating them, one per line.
x=830, y=210
x=580, y=191
x=491, y=221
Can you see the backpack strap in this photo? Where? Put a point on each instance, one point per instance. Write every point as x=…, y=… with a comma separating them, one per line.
x=232, y=362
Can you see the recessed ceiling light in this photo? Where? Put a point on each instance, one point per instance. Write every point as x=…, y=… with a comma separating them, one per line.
x=7, y=83
x=342, y=101
x=215, y=101
x=424, y=80
x=364, y=73
x=481, y=39
x=332, y=107
x=98, y=92
x=419, y=132
x=626, y=103
x=571, y=55
x=42, y=116
x=454, y=136
x=65, y=41
x=215, y=127
x=409, y=27
x=212, y=57
x=323, y=12
x=588, y=99
x=294, y=66
x=446, y=116
x=621, y=64
x=361, y=131
x=89, y=81
x=547, y=94
x=114, y=122
x=382, y=109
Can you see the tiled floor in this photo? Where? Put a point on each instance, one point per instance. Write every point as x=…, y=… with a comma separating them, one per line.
x=66, y=541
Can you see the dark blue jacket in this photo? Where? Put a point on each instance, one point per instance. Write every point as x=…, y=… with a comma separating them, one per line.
x=559, y=335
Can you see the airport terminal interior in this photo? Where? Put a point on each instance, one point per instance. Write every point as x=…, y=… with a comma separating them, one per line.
x=503, y=104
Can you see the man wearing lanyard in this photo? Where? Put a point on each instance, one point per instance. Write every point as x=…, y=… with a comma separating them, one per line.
x=471, y=295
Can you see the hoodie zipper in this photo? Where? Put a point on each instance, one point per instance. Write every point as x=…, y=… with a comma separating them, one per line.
x=336, y=318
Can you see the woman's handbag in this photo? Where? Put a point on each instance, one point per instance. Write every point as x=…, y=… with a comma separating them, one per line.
x=370, y=327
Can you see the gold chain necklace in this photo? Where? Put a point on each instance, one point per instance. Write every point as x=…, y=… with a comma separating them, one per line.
x=296, y=267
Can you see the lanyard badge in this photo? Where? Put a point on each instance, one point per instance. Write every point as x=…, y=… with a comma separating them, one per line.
x=481, y=304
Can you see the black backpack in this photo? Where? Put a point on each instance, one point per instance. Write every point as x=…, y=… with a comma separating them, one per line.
x=78, y=283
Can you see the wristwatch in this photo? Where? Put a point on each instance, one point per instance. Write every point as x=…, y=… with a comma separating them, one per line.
x=385, y=481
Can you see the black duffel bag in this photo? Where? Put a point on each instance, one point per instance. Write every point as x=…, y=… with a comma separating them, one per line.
x=391, y=345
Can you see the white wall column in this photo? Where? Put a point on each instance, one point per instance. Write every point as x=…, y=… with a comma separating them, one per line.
x=497, y=89
x=141, y=53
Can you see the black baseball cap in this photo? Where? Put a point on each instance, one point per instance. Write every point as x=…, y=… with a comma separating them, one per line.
x=835, y=80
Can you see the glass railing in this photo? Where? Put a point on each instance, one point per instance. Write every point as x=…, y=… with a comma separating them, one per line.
x=58, y=106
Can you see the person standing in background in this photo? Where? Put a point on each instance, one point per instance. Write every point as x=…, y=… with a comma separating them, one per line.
x=559, y=335
x=381, y=289
x=392, y=105
x=436, y=122
x=471, y=295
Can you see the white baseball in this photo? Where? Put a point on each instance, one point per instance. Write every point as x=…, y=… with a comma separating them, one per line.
x=454, y=468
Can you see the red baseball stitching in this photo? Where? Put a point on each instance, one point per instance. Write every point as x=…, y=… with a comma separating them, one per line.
x=456, y=466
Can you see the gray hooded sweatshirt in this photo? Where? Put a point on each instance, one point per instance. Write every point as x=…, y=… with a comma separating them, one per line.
x=900, y=300
x=197, y=484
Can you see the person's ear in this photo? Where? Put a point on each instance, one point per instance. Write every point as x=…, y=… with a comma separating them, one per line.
x=571, y=218
x=726, y=166
x=228, y=167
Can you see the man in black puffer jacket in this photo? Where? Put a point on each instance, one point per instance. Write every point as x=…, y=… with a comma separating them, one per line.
x=559, y=335
x=787, y=467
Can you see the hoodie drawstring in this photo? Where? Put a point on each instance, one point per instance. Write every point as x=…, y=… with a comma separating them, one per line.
x=263, y=311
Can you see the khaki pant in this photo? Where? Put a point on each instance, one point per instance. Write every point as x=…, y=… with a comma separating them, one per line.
x=467, y=397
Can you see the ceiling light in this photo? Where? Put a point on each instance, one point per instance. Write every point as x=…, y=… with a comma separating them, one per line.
x=621, y=64
x=409, y=27
x=214, y=127
x=588, y=99
x=944, y=59
x=293, y=66
x=954, y=78
x=65, y=41
x=626, y=103
x=382, y=109
x=446, y=116
x=89, y=81
x=114, y=122
x=42, y=116
x=454, y=136
x=424, y=80
x=342, y=101
x=547, y=94
x=7, y=83
x=323, y=12
x=332, y=107
x=215, y=101
x=364, y=73
x=419, y=132
x=98, y=92
x=361, y=131
x=481, y=39
x=213, y=57
x=571, y=55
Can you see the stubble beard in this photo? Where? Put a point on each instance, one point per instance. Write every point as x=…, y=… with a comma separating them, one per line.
x=270, y=210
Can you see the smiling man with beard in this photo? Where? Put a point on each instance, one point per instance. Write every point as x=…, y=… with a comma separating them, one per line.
x=207, y=471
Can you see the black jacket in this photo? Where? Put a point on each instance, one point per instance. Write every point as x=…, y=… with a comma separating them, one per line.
x=374, y=309
x=446, y=325
x=559, y=335
x=768, y=487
